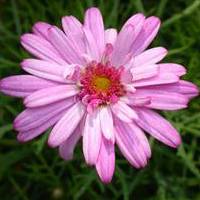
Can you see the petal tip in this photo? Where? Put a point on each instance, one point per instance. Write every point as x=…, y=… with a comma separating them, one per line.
x=51, y=143
x=64, y=157
x=26, y=102
x=37, y=24
x=20, y=139
x=93, y=9
x=196, y=91
x=15, y=124
x=23, y=63
x=1, y=84
x=164, y=50
x=154, y=22
x=106, y=180
x=177, y=142
x=25, y=37
x=155, y=19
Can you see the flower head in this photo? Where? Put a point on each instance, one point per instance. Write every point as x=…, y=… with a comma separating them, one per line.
x=100, y=85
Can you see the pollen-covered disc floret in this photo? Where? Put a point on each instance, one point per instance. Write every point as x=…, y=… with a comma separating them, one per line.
x=100, y=84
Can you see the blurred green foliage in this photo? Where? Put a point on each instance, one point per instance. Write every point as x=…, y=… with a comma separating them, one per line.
x=34, y=171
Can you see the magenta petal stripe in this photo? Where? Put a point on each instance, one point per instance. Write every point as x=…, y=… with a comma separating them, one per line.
x=124, y=112
x=73, y=29
x=66, y=149
x=148, y=57
x=92, y=137
x=158, y=127
x=35, y=132
x=71, y=25
x=68, y=122
x=93, y=21
x=144, y=72
x=34, y=121
x=91, y=47
x=133, y=144
x=106, y=121
x=165, y=100
x=160, y=79
x=41, y=29
x=146, y=35
x=40, y=48
x=50, y=95
x=183, y=87
x=45, y=69
x=34, y=117
x=23, y=85
x=176, y=69
x=136, y=100
x=105, y=165
x=122, y=45
x=65, y=46
x=137, y=21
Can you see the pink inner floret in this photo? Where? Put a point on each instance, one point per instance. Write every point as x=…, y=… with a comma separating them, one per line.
x=100, y=84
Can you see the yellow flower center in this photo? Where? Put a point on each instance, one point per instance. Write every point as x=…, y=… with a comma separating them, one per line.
x=101, y=83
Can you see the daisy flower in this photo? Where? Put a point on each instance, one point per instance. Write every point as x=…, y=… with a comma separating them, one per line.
x=100, y=85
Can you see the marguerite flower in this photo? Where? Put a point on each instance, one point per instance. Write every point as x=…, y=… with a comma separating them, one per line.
x=100, y=85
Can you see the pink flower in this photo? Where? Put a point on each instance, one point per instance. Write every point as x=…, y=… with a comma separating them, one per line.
x=100, y=85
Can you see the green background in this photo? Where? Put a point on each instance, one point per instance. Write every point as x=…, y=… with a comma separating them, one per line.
x=34, y=171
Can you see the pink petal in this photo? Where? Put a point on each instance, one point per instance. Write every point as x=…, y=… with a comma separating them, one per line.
x=146, y=35
x=148, y=57
x=137, y=22
x=132, y=143
x=41, y=29
x=71, y=25
x=173, y=68
x=183, y=87
x=163, y=99
x=188, y=88
x=136, y=100
x=158, y=127
x=65, y=127
x=34, y=121
x=124, y=112
x=110, y=36
x=50, y=95
x=122, y=45
x=93, y=21
x=126, y=76
x=66, y=149
x=34, y=117
x=106, y=121
x=23, y=85
x=129, y=88
x=92, y=137
x=66, y=47
x=73, y=29
x=45, y=69
x=40, y=48
x=160, y=79
x=105, y=165
x=91, y=46
x=35, y=132
x=144, y=72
